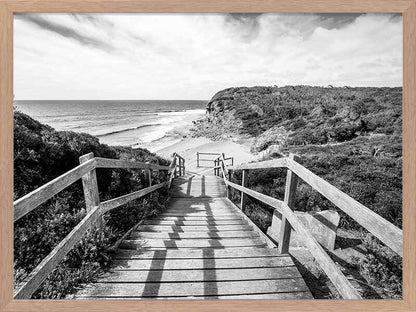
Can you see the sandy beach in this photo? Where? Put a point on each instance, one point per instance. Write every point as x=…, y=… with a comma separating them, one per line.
x=189, y=147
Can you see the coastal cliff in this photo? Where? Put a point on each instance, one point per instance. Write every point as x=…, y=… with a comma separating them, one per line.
x=301, y=115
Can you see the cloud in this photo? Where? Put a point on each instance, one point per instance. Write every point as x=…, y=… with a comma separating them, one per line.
x=65, y=31
x=192, y=56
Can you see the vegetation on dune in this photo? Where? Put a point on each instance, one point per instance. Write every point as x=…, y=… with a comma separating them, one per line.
x=40, y=155
x=351, y=137
x=312, y=115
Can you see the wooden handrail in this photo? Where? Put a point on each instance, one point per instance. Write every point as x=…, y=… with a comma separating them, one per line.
x=39, y=274
x=378, y=226
x=89, y=163
x=384, y=230
x=328, y=266
x=267, y=164
x=30, y=201
x=120, y=163
x=203, y=153
x=122, y=200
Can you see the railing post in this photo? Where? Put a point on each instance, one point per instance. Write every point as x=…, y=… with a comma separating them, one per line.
x=148, y=174
x=183, y=166
x=174, y=167
x=230, y=173
x=223, y=164
x=197, y=159
x=90, y=186
x=290, y=195
x=244, y=181
x=215, y=165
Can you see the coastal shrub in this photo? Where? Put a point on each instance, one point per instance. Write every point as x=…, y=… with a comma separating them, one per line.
x=382, y=268
x=41, y=154
x=342, y=113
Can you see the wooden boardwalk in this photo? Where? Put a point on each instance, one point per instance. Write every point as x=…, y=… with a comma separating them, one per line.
x=202, y=247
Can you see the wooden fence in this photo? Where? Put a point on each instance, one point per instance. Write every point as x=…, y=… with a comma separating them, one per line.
x=385, y=231
x=95, y=209
x=199, y=159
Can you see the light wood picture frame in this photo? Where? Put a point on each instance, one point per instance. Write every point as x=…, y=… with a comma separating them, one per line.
x=9, y=7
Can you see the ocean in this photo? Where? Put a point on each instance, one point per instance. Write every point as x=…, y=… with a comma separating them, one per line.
x=148, y=124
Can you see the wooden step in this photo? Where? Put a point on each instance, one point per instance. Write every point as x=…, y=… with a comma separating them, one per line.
x=187, y=212
x=190, y=228
x=198, y=218
x=202, y=248
x=195, y=289
x=198, y=203
x=193, y=235
x=222, y=195
x=198, y=214
x=219, y=275
x=200, y=208
x=193, y=264
x=198, y=254
x=193, y=222
x=191, y=243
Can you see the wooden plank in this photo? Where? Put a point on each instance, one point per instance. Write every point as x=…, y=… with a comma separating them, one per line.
x=256, y=229
x=187, y=228
x=193, y=235
x=193, y=264
x=191, y=201
x=193, y=222
x=199, y=215
x=274, y=163
x=275, y=203
x=186, y=203
x=41, y=272
x=191, y=243
x=218, y=275
x=201, y=177
x=289, y=199
x=388, y=233
x=197, y=181
x=244, y=183
x=199, y=210
x=197, y=187
x=196, y=218
x=30, y=201
x=90, y=186
x=200, y=289
x=121, y=163
x=199, y=254
x=229, y=247
x=198, y=194
x=298, y=295
x=122, y=200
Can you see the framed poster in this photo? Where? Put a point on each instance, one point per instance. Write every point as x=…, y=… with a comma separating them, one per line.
x=198, y=156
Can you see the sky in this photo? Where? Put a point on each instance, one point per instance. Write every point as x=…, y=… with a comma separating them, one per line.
x=193, y=56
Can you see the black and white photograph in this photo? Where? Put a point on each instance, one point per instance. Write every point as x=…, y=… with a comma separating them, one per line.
x=207, y=156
